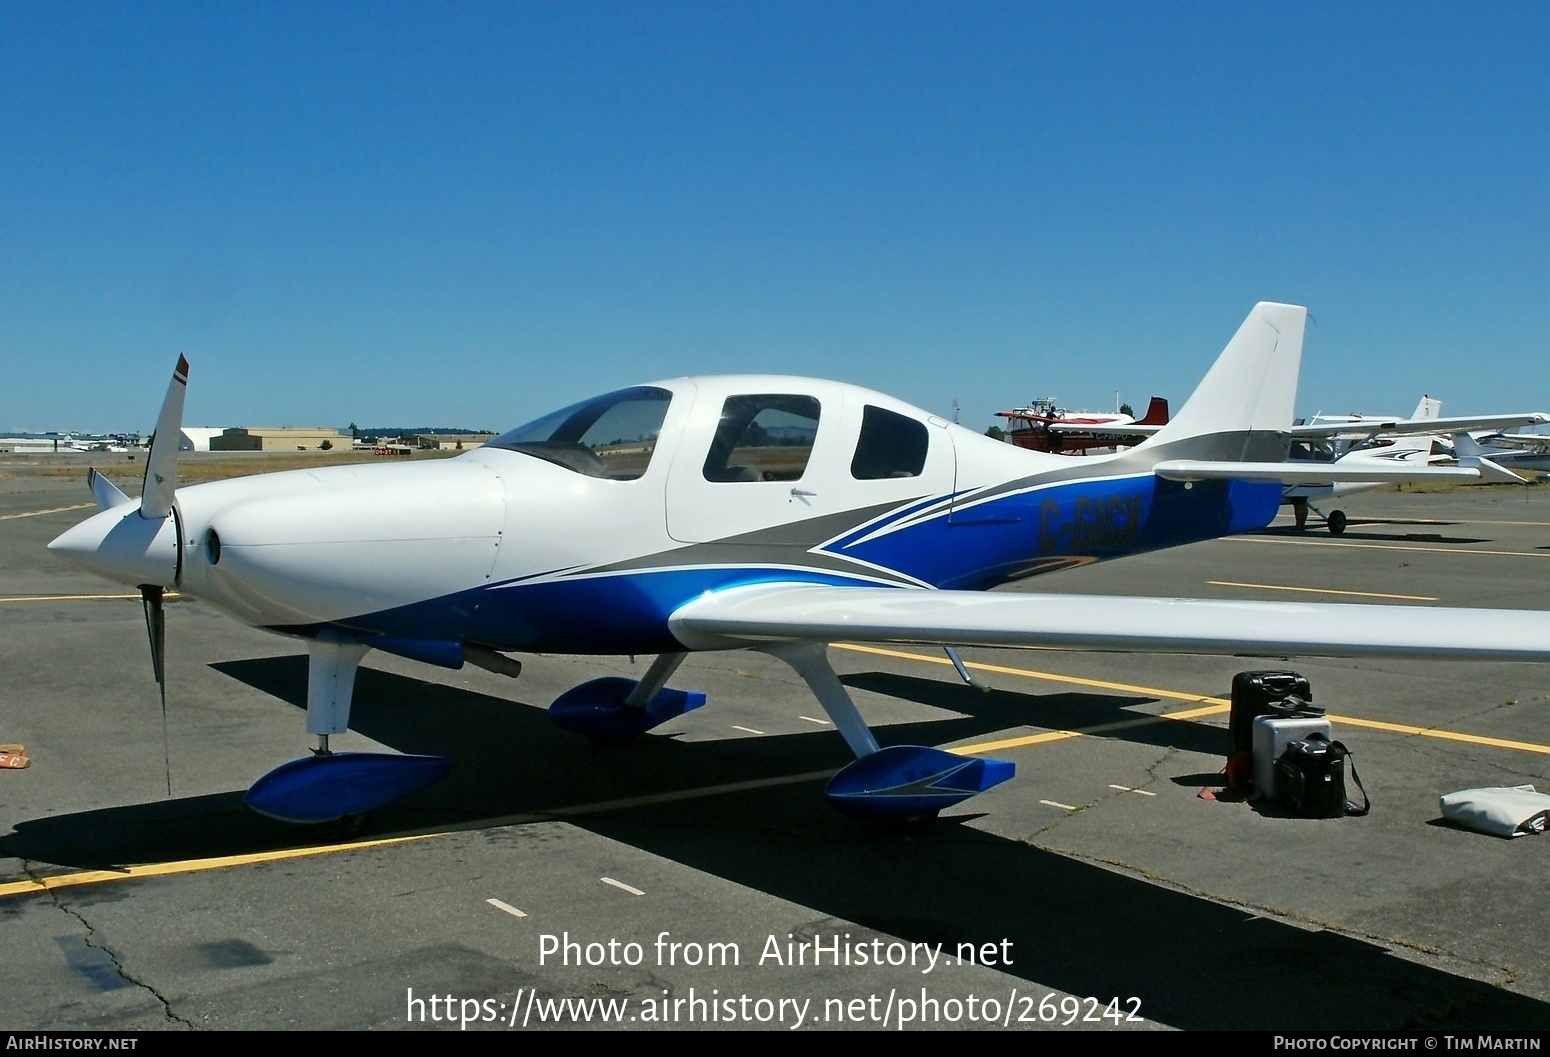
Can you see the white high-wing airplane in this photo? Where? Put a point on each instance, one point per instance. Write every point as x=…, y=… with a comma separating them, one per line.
x=1513, y=451
x=739, y=512
x=1352, y=430
x=1370, y=452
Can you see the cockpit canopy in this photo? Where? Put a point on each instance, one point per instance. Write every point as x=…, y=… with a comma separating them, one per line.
x=765, y=429
x=610, y=436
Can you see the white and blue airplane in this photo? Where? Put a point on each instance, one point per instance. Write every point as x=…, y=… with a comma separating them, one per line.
x=731, y=513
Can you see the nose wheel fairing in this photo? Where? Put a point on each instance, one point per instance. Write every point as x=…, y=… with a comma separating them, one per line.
x=327, y=786
x=331, y=786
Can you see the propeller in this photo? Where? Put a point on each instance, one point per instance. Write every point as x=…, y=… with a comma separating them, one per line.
x=156, y=499
x=161, y=467
x=156, y=629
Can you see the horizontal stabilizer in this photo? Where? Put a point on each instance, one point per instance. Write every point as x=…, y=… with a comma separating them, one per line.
x=1471, y=455
x=1317, y=473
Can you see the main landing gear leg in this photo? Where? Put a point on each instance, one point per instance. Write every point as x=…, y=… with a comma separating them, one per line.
x=328, y=786
x=655, y=679
x=811, y=662
x=905, y=784
x=1335, y=520
x=616, y=709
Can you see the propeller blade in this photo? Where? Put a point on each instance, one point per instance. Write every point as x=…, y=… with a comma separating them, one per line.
x=156, y=629
x=105, y=491
x=161, y=467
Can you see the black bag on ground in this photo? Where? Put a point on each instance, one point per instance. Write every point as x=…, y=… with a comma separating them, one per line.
x=1310, y=779
x=1257, y=694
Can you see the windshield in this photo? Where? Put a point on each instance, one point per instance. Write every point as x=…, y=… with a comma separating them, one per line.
x=611, y=436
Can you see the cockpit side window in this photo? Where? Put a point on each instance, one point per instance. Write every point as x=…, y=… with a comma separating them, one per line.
x=611, y=436
x=764, y=437
x=891, y=445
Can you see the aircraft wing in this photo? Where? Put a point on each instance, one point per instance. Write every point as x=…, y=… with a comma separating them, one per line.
x=1413, y=426
x=1329, y=472
x=1122, y=429
x=1533, y=443
x=767, y=614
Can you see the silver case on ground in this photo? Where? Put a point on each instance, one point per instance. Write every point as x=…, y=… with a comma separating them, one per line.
x=1271, y=736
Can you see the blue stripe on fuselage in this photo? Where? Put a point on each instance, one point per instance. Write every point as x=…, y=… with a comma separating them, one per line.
x=617, y=613
x=979, y=546
x=973, y=547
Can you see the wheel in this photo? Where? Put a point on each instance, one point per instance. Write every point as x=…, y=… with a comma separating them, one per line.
x=905, y=827
x=1336, y=522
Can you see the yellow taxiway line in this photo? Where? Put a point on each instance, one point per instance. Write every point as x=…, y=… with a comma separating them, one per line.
x=1387, y=547
x=170, y=596
x=51, y=510
x=1204, y=706
x=162, y=869
x=1323, y=591
x=1211, y=706
x=37, y=885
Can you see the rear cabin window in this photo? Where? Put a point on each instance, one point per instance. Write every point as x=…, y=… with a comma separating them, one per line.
x=891, y=445
x=763, y=437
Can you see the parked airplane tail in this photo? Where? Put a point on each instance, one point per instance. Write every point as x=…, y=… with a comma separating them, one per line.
x=1245, y=401
x=1156, y=413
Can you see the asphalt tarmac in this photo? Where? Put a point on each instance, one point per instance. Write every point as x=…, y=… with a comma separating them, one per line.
x=697, y=878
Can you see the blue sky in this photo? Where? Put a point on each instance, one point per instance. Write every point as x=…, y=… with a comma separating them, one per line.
x=472, y=213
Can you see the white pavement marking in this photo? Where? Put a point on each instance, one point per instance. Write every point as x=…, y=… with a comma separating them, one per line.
x=622, y=885
x=507, y=907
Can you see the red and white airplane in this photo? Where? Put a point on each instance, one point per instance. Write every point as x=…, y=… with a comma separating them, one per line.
x=1045, y=426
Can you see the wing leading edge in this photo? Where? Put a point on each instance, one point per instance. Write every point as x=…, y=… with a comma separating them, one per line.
x=767, y=614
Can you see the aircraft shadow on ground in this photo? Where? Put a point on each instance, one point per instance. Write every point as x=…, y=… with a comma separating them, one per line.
x=1320, y=533
x=1067, y=710
x=1073, y=926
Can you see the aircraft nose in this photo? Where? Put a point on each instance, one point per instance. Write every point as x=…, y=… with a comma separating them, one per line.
x=349, y=545
x=121, y=545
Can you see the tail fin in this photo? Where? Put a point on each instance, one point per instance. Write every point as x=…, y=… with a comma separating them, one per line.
x=1465, y=446
x=1156, y=413
x=1472, y=456
x=1428, y=408
x=1251, y=389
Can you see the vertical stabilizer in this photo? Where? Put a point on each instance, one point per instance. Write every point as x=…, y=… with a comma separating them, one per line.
x=1251, y=388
